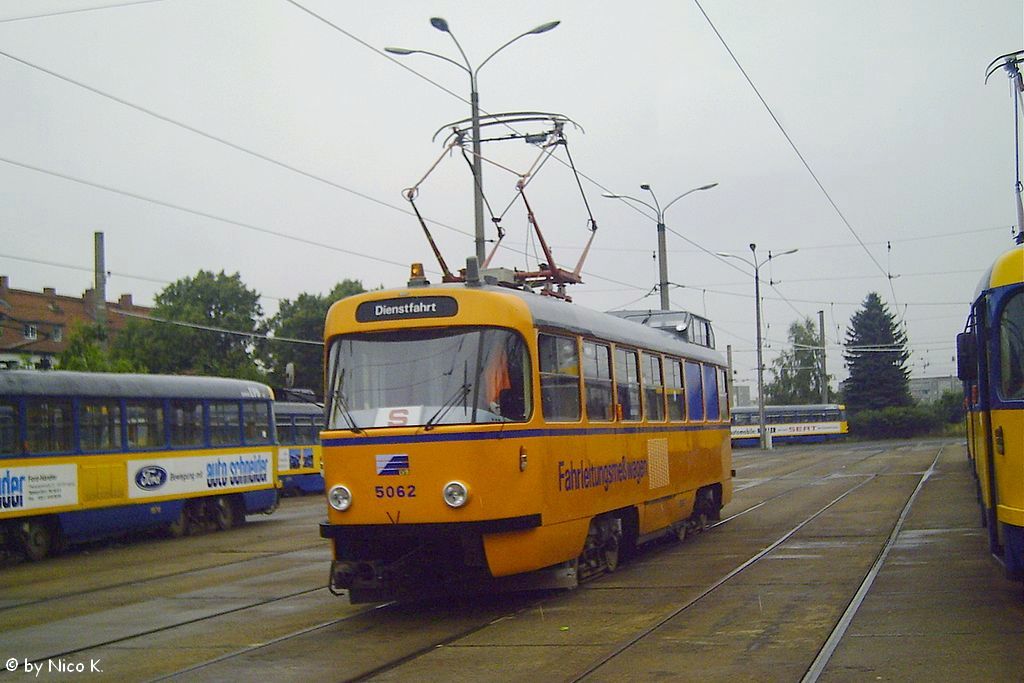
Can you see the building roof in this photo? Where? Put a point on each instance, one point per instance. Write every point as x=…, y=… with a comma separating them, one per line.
x=48, y=311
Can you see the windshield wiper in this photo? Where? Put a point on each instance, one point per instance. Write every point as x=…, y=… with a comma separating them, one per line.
x=459, y=396
x=338, y=405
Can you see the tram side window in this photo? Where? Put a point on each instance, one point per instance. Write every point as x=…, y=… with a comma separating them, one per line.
x=224, y=423
x=50, y=426
x=145, y=424
x=694, y=392
x=674, y=389
x=559, y=378
x=99, y=425
x=597, y=381
x=1011, y=349
x=627, y=378
x=256, y=420
x=286, y=431
x=186, y=423
x=9, y=428
x=710, y=392
x=723, y=395
x=743, y=418
x=654, y=389
x=305, y=430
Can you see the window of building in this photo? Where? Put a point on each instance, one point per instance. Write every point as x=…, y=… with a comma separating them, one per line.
x=597, y=381
x=30, y=331
x=99, y=425
x=559, y=378
x=627, y=377
x=57, y=334
x=225, y=426
x=256, y=420
x=145, y=424
x=186, y=423
x=654, y=389
x=694, y=392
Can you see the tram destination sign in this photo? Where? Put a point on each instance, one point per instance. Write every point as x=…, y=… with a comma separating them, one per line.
x=407, y=308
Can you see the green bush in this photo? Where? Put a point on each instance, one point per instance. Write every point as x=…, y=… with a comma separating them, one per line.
x=894, y=423
x=950, y=407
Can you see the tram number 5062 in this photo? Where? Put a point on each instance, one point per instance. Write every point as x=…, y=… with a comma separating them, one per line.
x=395, y=491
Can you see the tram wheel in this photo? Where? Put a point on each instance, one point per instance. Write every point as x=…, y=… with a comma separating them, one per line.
x=35, y=539
x=179, y=525
x=610, y=551
x=223, y=513
x=195, y=516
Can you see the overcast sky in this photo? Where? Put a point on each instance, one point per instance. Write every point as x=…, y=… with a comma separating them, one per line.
x=885, y=100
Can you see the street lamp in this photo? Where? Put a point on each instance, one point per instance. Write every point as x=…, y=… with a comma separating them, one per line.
x=765, y=442
x=660, y=212
x=474, y=103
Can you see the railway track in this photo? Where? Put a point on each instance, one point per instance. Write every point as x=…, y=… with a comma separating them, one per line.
x=347, y=646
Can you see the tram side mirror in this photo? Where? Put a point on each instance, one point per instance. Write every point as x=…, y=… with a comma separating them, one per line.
x=966, y=357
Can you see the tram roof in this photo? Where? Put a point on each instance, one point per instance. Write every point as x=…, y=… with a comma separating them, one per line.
x=808, y=408
x=1008, y=269
x=127, y=385
x=297, y=408
x=554, y=313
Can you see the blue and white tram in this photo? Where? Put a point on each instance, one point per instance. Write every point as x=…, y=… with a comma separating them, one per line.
x=92, y=455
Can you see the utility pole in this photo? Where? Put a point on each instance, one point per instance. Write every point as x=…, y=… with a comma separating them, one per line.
x=728, y=376
x=821, y=343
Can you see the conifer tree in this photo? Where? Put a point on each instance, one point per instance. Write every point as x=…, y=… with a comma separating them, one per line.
x=876, y=356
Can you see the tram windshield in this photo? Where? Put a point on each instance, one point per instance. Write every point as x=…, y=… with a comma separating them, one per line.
x=1011, y=349
x=426, y=377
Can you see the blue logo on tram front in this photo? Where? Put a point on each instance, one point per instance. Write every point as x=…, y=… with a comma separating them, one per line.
x=392, y=465
x=151, y=477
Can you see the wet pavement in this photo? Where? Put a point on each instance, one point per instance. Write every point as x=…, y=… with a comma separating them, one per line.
x=854, y=562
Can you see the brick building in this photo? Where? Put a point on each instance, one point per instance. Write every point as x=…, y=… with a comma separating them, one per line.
x=34, y=326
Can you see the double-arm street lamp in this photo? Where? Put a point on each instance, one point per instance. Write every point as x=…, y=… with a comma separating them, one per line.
x=474, y=103
x=660, y=213
x=756, y=265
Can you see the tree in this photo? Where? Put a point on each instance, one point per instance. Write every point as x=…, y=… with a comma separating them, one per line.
x=876, y=357
x=302, y=319
x=211, y=301
x=797, y=372
x=85, y=352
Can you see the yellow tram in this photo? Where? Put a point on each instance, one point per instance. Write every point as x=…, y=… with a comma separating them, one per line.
x=990, y=362
x=479, y=434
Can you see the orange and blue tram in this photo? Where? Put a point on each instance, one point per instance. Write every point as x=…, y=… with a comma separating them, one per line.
x=485, y=435
x=990, y=362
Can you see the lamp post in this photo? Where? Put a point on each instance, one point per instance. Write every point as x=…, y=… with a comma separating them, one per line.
x=660, y=213
x=756, y=265
x=474, y=103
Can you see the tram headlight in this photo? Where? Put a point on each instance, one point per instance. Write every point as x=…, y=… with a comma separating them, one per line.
x=455, y=494
x=339, y=498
